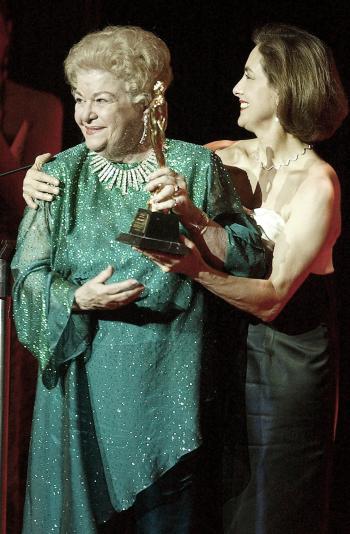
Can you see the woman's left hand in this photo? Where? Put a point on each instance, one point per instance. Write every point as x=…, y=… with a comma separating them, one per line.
x=169, y=191
x=191, y=264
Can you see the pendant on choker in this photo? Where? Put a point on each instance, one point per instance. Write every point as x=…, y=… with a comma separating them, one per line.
x=116, y=175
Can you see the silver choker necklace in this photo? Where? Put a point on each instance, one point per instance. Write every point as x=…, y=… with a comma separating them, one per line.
x=284, y=163
x=117, y=175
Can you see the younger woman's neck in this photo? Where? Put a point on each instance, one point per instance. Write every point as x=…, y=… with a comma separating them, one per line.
x=278, y=148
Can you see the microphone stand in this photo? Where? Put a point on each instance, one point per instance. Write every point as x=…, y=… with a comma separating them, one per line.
x=24, y=168
x=6, y=252
x=12, y=171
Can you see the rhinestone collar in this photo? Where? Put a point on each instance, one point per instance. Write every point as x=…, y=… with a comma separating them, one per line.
x=122, y=175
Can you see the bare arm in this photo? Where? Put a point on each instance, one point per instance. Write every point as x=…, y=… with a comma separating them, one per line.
x=308, y=237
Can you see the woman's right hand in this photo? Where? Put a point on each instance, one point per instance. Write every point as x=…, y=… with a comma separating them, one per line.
x=37, y=185
x=191, y=264
x=96, y=294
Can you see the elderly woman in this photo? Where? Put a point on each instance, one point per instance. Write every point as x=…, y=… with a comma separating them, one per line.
x=290, y=96
x=129, y=356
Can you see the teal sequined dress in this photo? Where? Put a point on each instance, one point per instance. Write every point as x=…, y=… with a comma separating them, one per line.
x=119, y=394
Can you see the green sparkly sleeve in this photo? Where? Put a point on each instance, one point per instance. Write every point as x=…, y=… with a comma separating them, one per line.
x=42, y=300
x=246, y=255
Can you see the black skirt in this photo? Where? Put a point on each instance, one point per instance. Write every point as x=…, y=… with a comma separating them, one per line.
x=291, y=398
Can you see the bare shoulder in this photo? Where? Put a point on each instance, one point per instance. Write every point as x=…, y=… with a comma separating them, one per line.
x=237, y=153
x=320, y=178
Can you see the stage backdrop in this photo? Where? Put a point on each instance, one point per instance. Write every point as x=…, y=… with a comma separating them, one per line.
x=209, y=45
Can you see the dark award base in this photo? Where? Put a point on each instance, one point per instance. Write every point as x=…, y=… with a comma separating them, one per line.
x=155, y=230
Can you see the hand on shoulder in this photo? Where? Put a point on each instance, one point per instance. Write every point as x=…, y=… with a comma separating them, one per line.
x=37, y=185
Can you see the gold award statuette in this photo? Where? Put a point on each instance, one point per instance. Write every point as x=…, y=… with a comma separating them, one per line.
x=156, y=230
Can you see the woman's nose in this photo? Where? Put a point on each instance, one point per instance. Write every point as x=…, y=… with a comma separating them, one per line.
x=89, y=112
x=237, y=89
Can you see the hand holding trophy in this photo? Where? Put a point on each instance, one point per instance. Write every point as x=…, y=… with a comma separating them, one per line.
x=156, y=230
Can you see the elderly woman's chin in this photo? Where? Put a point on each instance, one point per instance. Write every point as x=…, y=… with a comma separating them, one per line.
x=95, y=144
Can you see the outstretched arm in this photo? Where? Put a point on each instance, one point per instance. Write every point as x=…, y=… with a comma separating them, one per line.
x=303, y=247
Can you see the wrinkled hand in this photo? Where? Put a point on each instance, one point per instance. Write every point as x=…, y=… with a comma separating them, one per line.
x=96, y=294
x=37, y=185
x=169, y=191
x=191, y=264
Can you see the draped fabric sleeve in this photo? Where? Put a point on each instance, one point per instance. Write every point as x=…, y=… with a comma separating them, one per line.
x=43, y=298
x=246, y=254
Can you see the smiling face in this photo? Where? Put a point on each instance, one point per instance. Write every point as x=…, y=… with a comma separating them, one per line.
x=111, y=124
x=258, y=100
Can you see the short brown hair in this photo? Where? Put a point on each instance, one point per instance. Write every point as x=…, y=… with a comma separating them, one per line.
x=132, y=54
x=301, y=68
